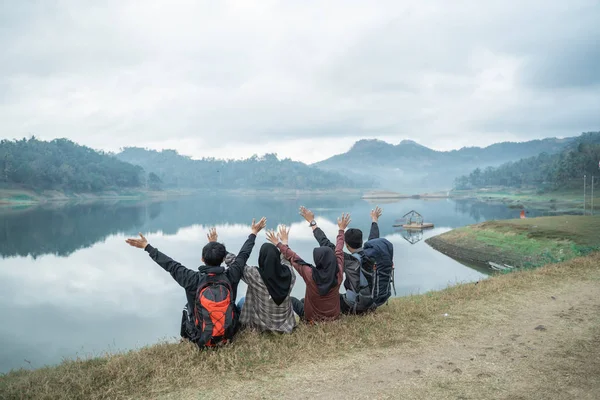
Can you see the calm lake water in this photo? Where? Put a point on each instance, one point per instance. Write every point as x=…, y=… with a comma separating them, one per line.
x=70, y=286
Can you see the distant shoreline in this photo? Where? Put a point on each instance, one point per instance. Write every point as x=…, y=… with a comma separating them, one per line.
x=383, y=194
x=18, y=196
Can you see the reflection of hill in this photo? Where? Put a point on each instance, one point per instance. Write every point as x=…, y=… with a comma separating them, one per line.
x=51, y=230
x=63, y=230
x=216, y=210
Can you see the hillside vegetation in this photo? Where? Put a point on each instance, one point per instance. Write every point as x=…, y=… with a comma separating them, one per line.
x=176, y=170
x=63, y=165
x=564, y=170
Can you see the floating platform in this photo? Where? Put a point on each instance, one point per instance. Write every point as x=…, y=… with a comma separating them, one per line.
x=425, y=225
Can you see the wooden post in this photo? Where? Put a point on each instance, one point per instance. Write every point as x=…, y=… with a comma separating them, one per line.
x=584, y=179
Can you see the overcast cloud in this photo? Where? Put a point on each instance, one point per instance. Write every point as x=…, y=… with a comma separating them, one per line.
x=304, y=78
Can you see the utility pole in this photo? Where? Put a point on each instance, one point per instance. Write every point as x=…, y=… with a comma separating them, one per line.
x=592, y=194
x=584, y=193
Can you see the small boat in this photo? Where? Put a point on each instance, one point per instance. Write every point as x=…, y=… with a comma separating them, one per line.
x=413, y=220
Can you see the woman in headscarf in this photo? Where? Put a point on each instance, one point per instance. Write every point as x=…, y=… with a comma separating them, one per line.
x=323, y=279
x=267, y=305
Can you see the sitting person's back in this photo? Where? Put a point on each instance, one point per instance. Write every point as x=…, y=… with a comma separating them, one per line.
x=267, y=305
x=323, y=279
x=322, y=296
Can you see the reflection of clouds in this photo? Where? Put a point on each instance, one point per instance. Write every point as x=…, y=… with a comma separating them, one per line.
x=103, y=277
x=112, y=275
x=113, y=293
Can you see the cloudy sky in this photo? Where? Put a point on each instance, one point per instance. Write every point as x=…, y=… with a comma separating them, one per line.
x=302, y=78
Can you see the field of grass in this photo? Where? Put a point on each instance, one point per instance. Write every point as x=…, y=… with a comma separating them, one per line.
x=528, y=242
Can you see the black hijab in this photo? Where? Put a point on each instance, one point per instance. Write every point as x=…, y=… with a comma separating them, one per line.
x=325, y=269
x=277, y=277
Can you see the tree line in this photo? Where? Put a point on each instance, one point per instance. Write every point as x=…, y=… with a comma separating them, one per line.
x=63, y=165
x=545, y=171
x=268, y=171
x=66, y=166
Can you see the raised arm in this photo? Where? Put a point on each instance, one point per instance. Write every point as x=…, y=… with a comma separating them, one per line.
x=309, y=216
x=281, y=241
x=182, y=275
x=236, y=269
x=375, y=214
x=343, y=223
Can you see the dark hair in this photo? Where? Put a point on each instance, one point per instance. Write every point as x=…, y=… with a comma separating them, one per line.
x=213, y=254
x=353, y=238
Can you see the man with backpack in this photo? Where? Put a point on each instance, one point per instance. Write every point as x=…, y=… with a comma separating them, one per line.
x=212, y=316
x=363, y=278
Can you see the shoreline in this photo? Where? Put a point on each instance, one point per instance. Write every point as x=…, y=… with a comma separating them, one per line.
x=521, y=243
x=28, y=197
x=558, y=201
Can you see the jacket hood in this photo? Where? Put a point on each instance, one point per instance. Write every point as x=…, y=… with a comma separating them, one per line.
x=205, y=269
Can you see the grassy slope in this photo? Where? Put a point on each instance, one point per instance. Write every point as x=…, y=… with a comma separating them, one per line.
x=170, y=368
x=528, y=242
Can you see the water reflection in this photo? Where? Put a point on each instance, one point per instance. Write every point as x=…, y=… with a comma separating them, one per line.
x=412, y=236
x=68, y=270
x=60, y=230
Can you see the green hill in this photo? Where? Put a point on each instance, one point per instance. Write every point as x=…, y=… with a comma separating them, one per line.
x=563, y=170
x=63, y=165
x=176, y=170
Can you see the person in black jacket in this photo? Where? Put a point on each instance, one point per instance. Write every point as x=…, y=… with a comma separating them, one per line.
x=358, y=283
x=213, y=255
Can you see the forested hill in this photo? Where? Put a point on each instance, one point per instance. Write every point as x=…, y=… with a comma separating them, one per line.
x=63, y=165
x=176, y=170
x=546, y=171
x=409, y=166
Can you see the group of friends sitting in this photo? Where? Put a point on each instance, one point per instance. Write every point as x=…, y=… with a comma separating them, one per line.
x=211, y=316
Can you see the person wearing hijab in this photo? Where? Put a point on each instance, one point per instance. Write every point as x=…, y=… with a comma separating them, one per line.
x=323, y=279
x=267, y=306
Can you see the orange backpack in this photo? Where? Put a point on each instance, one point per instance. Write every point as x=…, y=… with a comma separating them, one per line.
x=215, y=315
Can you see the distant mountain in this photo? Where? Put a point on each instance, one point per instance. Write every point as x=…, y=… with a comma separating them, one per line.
x=562, y=170
x=176, y=170
x=411, y=167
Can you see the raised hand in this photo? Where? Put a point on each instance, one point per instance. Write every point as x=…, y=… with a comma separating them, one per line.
x=344, y=221
x=272, y=237
x=139, y=243
x=284, y=233
x=307, y=214
x=376, y=213
x=212, y=235
x=258, y=226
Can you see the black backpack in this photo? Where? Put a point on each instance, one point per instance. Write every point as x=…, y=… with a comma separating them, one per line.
x=215, y=315
x=379, y=258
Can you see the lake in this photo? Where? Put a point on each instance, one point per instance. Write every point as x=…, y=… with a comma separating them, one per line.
x=70, y=286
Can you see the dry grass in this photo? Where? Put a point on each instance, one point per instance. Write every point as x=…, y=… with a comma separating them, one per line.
x=165, y=368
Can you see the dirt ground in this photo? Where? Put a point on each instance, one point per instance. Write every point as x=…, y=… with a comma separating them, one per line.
x=545, y=345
